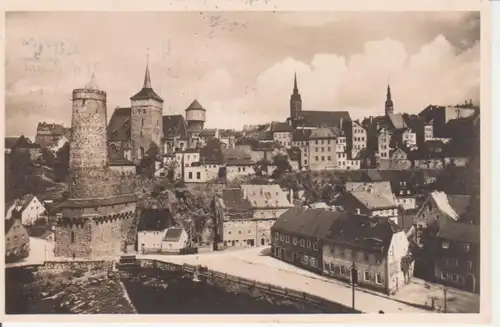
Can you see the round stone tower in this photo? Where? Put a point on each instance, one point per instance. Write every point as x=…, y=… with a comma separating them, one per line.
x=195, y=117
x=88, y=154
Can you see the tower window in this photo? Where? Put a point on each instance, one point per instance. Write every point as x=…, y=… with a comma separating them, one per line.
x=72, y=237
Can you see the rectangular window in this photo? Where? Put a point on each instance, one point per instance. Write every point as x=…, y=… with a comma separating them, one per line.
x=277, y=235
x=455, y=278
x=322, y=149
x=378, y=278
x=316, y=158
x=190, y=175
x=367, y=276
x=316, y=247
x=329, y=158
x=444, y=275
x=313, y=262
x=198, y=175
x=302, y=243
x=72, y=237
x=466, y=247
x=468, y=264
x=295, y=241
x=322, y=158
x=287, y=239
x=282, y=238
x=342, y=270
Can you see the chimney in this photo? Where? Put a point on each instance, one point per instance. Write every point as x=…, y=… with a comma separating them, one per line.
x=341, y=122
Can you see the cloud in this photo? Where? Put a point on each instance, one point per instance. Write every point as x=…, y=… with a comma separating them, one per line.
x=436, y=74
x=242, y=73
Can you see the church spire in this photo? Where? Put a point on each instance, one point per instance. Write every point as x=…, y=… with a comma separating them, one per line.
x=295, y=88
x=389, y=105
x=147, y=77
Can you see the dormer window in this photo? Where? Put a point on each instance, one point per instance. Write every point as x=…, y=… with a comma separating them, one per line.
x=445, y=245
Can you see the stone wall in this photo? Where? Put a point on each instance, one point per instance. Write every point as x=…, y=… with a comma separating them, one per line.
x=88, y=147
x=54, y=267
x=80, y=244
x=146, y=126
x=103, y=182
x=106, y=234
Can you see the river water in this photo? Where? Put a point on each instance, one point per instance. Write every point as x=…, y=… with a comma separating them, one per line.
x=151, y=294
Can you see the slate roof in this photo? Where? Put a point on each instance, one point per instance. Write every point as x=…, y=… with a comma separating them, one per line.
x=397, y=121
x=323, y=118
x=8, y=224
x=175, y=126
x=266, y=196
x=460, y=232
x=173, y=234
x=321, y=133
x=195, y=105
x=146, y=93
x=373, y=201
x=301, y=135
x=208, y=132
x=459, y=202
x=119, y=127
x=359, y=233
x=311, y=223
x=233, y=199
x=277, y=127
x=155, y=220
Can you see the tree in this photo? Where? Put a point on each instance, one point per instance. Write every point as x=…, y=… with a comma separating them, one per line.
x=282, y=165
x=48, y=158
x=147, y=163
x=61, y=166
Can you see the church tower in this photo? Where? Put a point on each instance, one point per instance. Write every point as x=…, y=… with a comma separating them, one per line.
x=389, y=106
x=295, y=101
x=146, y=119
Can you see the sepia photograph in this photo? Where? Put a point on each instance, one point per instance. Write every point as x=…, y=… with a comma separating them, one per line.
x=242, y=162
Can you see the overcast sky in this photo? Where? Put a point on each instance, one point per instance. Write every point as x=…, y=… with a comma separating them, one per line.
x=240, y=65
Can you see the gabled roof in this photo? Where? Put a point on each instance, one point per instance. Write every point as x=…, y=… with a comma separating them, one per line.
x=23, y=203
x=208, y=132
x=397, y=121
x=175, y=126
x=266, y=196
x=460, y=232
x=373, y=201
x=277, y=127
x=173, y=234
x=442, y=202
x=155, y=220
x=119, y=127
x=25, y=143
x=359, y=233
x=301, y=135
x=311, y=223
x=321, y=133
x=323, y=118
x=9, y=223
x=234, y=200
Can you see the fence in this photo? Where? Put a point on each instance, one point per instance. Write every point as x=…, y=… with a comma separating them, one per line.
x=204, y=274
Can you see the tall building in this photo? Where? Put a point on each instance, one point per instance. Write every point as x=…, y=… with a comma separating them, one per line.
x=146, y=119
x=133, y=130
x=195, y=117
x=311, y=119
x=295, y=100
x=389, y=106
x=98, y=217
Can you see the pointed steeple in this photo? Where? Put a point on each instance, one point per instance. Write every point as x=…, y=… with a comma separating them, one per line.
x=92, y=85
x=389, y=105
x=147, y=77
x=295, y=88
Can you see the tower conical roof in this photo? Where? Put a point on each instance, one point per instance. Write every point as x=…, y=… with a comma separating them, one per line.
x=195, y=105
x=147, y=91
x=92, y=85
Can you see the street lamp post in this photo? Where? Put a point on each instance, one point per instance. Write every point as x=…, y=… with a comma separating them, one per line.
x=354, y=282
